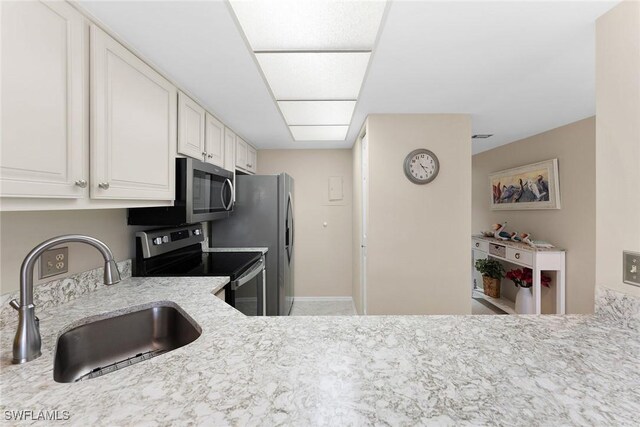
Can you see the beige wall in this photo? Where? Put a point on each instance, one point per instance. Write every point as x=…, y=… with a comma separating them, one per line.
x=573, y=226
x=21, y=231
x=323, y=254
x=617, y=142
x=357, y=225
x=419, y=257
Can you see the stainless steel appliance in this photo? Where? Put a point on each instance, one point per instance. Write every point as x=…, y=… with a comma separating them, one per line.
x=204, y=192
x=263, y=216
x=178, y=252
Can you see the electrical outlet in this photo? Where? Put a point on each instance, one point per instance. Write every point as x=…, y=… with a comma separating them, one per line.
x=631, y=268
x=54, y=262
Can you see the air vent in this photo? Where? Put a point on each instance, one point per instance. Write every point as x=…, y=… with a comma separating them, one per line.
x=482, y=136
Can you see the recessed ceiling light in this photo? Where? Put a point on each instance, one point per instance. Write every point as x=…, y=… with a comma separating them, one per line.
x=309, y=25
x=314, y=75
x=319, y=133
x=482, y=136
x=317, y=112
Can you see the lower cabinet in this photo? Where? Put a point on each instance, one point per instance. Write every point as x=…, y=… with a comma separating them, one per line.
x=133, y=125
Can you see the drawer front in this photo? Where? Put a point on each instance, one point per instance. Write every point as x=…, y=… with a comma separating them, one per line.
x=480, y=245
x=499, y=250
x=519, y=255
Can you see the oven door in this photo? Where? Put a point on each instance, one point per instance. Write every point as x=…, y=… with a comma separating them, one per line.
x=209, y=191
x=247, y=292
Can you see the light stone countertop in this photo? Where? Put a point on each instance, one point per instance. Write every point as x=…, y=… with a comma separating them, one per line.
x=383, y=370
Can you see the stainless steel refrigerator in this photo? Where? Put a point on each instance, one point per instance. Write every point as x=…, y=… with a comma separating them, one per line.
x=263, y=217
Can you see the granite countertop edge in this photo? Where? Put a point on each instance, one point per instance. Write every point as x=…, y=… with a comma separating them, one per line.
x=350, y=370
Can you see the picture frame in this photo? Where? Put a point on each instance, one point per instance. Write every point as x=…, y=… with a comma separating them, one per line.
x=528, y=187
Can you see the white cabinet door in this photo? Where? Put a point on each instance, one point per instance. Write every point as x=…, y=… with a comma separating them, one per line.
x=252, y=159
x=229, y=150
x=214, y=135
x=43, y=98
x=133, y=125
x=191, y=128
x=241, y=153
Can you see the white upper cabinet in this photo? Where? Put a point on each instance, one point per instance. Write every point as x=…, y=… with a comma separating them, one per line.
x=215, y=145
x=229, y=150
x=43, y=97
x=246, y=156
x=133, y=125
x=191, y=128
x=252, y=159
x=241, y=153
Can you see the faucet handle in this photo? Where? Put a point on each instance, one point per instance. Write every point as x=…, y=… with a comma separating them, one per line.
x=15, y=304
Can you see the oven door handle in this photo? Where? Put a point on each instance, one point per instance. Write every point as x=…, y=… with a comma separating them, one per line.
x=249, y=275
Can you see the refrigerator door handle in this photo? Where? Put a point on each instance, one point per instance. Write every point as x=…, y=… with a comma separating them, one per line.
x=290, y=231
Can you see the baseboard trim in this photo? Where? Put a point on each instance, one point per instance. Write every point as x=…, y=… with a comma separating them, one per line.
x=301, y=299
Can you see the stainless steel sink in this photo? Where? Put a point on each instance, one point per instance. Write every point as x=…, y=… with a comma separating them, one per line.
x=106, y=345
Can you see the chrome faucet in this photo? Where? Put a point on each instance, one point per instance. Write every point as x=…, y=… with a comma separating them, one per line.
x=27, y=343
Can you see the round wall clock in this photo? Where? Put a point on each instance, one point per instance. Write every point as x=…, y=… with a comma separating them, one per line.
x=421, y=166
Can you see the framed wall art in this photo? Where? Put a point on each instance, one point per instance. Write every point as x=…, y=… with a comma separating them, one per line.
x=534, y=186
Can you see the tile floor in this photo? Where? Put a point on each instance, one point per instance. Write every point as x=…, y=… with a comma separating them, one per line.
x=322, y=308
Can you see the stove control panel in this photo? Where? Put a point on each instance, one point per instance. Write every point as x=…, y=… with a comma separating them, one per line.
x=156, y=242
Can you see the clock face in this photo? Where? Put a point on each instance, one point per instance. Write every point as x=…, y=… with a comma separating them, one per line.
x=421, y=166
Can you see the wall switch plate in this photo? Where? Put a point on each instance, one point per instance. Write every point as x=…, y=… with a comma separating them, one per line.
x=54, y=262
x=631, y=268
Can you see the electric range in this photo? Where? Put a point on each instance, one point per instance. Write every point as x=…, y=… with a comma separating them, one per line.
x=177, y=252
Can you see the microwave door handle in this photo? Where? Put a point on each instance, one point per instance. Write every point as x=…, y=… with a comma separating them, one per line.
x=232, y=192
x=227, y=206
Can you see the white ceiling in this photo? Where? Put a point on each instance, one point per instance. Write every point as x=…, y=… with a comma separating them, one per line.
x=519, y=68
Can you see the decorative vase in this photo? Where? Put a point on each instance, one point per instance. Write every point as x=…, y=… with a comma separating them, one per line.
x=491, y=286
x=524, y=301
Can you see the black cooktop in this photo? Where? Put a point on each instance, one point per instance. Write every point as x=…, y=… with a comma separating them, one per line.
x=192, y=262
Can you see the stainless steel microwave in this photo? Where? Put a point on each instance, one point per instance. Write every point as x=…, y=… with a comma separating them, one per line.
x=204, y=192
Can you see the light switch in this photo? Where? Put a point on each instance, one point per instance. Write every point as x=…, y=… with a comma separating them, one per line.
x=631, y=266
x=335, y=188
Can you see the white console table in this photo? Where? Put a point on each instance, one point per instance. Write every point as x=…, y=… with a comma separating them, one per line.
x=537, y=259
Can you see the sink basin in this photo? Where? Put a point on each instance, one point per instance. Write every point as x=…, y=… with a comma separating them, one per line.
x=106, y=345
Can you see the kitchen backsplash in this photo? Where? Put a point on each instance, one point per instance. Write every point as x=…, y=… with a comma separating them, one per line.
x=59, y=291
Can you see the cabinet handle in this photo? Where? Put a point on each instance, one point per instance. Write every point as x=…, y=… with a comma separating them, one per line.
x=477, y=245
x=204, y=153
x=210, y=156
x=249, y=165
x=81, y=183
x=104, y=185
x=517, y=255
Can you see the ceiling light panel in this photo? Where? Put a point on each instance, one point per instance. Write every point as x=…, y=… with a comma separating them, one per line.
x=317, y=112
x=309, y=25
x=314, y=75
x=319, y=133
